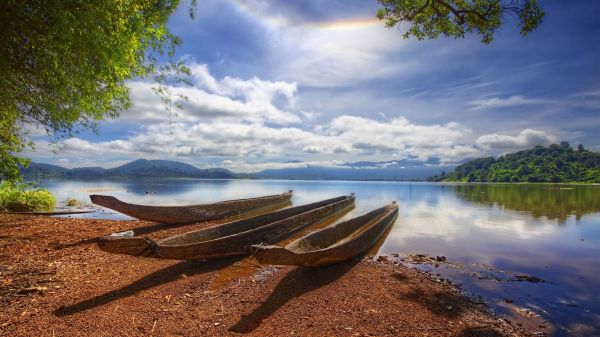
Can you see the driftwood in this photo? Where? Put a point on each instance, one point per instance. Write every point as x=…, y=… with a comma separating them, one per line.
x=177, y=215
x=230, y=239
x=332, y=244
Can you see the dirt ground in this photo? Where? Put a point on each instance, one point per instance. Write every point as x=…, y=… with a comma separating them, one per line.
x=54, y=281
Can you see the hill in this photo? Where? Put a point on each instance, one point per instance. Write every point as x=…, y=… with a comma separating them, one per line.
x=140, y=168
x=409, y=169
x=555, y=163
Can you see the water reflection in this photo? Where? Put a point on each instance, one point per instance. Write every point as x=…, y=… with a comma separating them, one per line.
x=556, y=202
x=167, y=187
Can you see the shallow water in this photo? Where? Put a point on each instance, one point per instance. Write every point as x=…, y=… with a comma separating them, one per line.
x=489, y=233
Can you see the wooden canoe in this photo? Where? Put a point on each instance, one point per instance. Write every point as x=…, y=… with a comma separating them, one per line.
x=177, y=215
x=230, y=239
x=332, y=244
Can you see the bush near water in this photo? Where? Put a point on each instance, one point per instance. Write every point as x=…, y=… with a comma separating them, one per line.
x=553, y=164
x=15, y=197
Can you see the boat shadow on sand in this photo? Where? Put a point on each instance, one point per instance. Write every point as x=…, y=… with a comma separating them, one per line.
x=299, y=281
x=159, y=277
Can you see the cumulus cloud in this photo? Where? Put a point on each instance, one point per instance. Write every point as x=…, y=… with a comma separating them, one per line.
x=497, y=102
x=241, y=165
x=347, y=138
x=401, y=138
x=256, y=121
x=524, y=139
x=252, y=100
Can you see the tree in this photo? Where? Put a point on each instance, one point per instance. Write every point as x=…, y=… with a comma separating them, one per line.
x=556, y=163
x=65, y=63
x=453, y=18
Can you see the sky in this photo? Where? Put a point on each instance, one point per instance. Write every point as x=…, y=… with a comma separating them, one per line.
x=322, y=82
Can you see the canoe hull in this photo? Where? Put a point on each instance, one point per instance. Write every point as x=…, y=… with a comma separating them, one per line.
x=370, y=227
x=176, y=215
x=224, y=241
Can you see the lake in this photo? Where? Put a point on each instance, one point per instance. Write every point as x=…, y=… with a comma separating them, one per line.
x=535, y=247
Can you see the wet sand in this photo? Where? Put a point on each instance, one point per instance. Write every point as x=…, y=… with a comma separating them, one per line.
x=54, y=281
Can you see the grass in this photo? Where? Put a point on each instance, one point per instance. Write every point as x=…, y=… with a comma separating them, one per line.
x=16, y=197
x=71, y=202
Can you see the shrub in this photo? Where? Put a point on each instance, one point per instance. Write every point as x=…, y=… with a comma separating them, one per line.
x=15, y=197
x=71, y=202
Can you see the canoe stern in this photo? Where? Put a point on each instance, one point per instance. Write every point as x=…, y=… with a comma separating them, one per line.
x=136, y=246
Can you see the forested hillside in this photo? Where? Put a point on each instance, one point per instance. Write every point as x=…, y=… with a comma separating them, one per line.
x=555, y=163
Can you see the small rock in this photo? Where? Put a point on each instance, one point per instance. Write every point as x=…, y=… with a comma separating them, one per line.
x=529, y=278
x=440, y=258
x=382, y=258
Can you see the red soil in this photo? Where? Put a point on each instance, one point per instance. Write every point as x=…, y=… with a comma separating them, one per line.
x=54, y=281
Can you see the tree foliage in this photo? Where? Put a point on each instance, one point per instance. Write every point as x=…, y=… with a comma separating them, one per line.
x=65, y=63
x=555, y=163
x=428, y=19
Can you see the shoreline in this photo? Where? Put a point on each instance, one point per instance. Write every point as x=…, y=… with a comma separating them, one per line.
x=30, y=179
x=55, y=281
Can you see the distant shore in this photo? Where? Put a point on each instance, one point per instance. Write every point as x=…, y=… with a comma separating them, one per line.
x=56, y=282
x=87, y=179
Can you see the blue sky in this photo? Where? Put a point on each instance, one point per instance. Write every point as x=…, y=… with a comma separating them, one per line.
x=323, y=83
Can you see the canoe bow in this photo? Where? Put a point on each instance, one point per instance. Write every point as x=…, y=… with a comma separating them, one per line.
x=176, y=215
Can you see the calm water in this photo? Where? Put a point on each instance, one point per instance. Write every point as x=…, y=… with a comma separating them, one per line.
x=489, y=233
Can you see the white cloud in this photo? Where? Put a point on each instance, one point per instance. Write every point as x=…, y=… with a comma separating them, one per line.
x=525, y=139
x=497, y=102
x=245, y=166
x=252, y=100
x=401, y=138
x=347, y=138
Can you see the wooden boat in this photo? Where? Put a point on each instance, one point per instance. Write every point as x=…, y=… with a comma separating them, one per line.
x=230, y=239
x=332, y=244
x=176, y=215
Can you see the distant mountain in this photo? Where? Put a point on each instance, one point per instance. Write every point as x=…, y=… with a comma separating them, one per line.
x=357, y=171
x=555, y=163
x=164, y=168
x=43, y=170
x=141, y=165
x=140, y=168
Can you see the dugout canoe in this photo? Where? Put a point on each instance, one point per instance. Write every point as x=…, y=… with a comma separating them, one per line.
x=230, y=239
x=177, y=215
x=332, y=244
